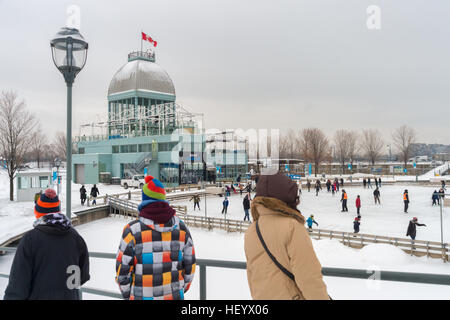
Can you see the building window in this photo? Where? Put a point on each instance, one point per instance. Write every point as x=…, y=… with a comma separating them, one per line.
x=145, y=147
x=81, y=150
x=167, y=146
x=43, y=182
x=24, y=182
x=115, y=149
x=128, y=148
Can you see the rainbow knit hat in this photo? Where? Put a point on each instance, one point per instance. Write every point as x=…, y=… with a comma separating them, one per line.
x=153, y=190
x=47, y=203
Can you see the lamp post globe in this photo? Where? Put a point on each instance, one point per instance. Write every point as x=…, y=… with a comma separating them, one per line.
x=69, y=53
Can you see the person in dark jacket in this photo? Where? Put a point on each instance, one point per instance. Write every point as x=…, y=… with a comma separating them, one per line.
x=246, y=204
x=318, y=187
x=369, y=184
x=328, y=184
x=364, y=183
x=412, y=228
x=435, y=198
x=308, y=185
x=83, y=195
x=225, y=205
x=379, y=182
x=52, y=260
x=94, y=193
x=356, y=225
x=376, y=195
x=196, y=199
x=406, y=201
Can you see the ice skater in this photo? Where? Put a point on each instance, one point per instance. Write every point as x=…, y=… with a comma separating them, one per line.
x=246, y=204
x=376, y=196
x=406, y=201
x=196, y=199
x=356, y=224
x=435, y=197
x=358, y=205
x=412, y=229
x=318, y=187
x=344, y=201
x=225, y=204
x=310, y=222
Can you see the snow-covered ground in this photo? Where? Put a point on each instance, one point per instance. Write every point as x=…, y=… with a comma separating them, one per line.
x=17, y=217
x=386, y=219
x=104, y=236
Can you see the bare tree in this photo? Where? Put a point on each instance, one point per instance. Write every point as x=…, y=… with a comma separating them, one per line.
x=314, y=147
x=59, y=144
x=345, y=143
x=342, y=146
x=371, y=144
x=352, y=145
x=17, y=127
x=289, y=148
x=37, y=146
x=403, y=138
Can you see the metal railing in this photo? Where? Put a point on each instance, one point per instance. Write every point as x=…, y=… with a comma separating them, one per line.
x=409, y=277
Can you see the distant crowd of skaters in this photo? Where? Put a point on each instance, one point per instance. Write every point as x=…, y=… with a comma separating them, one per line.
x=334, y=186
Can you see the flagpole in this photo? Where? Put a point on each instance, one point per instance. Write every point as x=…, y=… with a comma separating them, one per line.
x=141, y=40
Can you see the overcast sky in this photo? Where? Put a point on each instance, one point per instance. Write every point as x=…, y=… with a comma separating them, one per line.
x=247, y=64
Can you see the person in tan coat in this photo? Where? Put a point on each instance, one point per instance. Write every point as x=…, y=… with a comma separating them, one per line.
x=282, y=228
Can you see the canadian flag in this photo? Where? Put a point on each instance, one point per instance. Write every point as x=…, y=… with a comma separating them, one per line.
x=149, y=39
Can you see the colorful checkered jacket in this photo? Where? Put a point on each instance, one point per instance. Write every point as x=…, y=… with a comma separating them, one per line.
x=155, y=261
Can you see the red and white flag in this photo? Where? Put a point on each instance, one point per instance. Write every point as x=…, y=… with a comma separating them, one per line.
x=149, y=39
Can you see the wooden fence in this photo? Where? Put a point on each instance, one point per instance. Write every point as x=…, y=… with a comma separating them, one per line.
x=419, y=248
x=130, y=209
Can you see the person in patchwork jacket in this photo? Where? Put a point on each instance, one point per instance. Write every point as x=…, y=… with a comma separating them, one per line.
x=156, y=256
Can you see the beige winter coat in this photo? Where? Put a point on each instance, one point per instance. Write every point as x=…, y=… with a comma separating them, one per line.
x=283, y=231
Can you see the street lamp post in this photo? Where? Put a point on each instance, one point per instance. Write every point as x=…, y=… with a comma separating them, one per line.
x=69, y=53
x=57, y=162
x=390, y=160
x=441, y=204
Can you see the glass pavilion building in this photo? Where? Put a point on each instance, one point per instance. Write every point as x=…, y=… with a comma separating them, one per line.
x=146, y=130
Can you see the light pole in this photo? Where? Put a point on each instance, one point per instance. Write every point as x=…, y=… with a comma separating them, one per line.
x=441, y=202
x=69, y=53
x=57, y=163
x=390, y=160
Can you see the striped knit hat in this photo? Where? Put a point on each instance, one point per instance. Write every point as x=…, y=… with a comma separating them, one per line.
x=48, y=202
x=153, y=189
